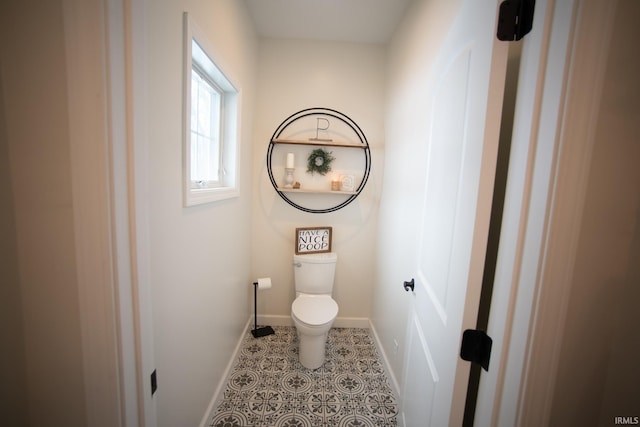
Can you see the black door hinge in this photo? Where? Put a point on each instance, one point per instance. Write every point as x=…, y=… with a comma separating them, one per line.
x=515, y=19
x=476, y=347
x=154, y=382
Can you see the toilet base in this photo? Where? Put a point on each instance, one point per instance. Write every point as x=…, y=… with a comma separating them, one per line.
x=311, y=350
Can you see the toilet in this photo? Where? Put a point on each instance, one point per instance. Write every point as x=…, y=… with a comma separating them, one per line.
x=313, y=311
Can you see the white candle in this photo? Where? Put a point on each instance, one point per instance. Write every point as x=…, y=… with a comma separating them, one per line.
x=290, y=160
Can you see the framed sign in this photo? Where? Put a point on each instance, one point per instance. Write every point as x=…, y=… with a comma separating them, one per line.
x=311, y=240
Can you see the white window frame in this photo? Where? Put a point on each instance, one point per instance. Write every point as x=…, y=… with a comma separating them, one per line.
x=202, y=57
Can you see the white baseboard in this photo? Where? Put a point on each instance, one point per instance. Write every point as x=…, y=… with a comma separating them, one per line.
x=351, y=322
x=340, y=322
x=273, y=320
x=387, y=366
x=216, y=398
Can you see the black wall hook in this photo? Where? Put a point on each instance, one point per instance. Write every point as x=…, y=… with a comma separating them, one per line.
x=409, y=285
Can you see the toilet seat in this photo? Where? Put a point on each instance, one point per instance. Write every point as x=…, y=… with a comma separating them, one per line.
x=314, y=310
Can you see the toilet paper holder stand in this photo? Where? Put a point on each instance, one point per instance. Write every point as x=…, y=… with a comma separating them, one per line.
x=265, y=330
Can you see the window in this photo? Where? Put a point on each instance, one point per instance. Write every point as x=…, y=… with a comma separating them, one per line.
x=206, y=128
x=211, y=118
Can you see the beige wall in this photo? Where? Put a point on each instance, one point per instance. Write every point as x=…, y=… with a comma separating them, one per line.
x=598, y=374
x=293, y=75
x=199, y=256
x=44, y=289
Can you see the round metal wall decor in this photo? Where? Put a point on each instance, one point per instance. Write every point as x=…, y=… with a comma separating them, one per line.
x=304, y=129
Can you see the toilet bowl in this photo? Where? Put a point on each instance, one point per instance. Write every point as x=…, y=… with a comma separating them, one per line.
x=313, y=311
x=313, y=316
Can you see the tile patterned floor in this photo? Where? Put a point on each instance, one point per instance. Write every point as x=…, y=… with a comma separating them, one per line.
x=269, y=387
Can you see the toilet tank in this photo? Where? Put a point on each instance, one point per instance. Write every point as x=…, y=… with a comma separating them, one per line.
x=314, y=273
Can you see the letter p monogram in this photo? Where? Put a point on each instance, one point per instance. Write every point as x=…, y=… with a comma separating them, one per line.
x=320, y=122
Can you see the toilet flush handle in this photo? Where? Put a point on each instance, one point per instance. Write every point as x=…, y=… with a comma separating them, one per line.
x=297, y=264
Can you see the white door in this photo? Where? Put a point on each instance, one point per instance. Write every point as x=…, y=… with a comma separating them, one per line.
x=463, y=124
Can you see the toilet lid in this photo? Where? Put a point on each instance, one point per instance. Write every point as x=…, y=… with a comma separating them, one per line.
x=314, y=309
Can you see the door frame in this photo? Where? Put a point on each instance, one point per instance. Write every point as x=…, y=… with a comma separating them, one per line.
x=105, y=71
x=561, y=74
x=95, y=94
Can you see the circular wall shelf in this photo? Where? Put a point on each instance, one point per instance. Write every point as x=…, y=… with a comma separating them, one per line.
x=295, y=130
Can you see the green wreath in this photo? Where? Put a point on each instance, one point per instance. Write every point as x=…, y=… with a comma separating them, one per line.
x=319, y=161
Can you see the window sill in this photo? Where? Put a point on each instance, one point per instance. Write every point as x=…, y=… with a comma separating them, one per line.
x=201, y=196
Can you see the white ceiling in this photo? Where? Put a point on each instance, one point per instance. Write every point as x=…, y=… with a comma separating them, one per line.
x=360, y=21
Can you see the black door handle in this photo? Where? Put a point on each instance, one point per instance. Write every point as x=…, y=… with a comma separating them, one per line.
x=409, y=285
